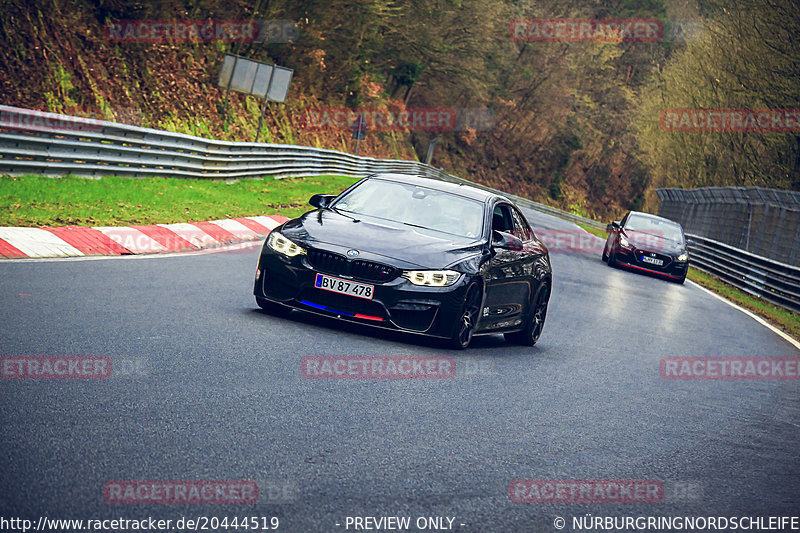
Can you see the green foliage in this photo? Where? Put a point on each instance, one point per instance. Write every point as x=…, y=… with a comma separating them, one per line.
x=555, y=189
x=407, y=73
x=746, y=58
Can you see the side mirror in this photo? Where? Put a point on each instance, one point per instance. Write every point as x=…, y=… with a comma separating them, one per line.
x=613, y=226
x=321, y=201
x=505, y=241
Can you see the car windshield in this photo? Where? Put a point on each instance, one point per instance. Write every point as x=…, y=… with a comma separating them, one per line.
x=655, y=226
x=415, y=206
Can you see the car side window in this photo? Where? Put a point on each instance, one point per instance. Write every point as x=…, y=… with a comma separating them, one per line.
x=521, y=228
x=502, y=219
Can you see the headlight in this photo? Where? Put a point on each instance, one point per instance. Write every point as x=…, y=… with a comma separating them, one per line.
x=683, y=257
x=284, y=246
x=624, y=242
x=432, y=278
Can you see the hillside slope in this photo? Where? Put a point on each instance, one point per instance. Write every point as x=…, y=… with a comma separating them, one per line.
x=572, y=124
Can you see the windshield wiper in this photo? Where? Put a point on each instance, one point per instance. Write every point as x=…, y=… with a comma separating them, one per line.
x=343, y=211
x=418, y=226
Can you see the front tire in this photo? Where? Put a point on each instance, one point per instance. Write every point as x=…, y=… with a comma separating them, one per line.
x=465, y=327
x=533, y=330
x=272, y=307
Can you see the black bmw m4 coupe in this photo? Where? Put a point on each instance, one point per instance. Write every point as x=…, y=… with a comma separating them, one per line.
x=411, y=254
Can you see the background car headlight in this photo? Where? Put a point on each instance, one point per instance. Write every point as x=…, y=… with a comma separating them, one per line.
x=432, y=278
x=624, y=242
x=683, y=257
x=284, y=246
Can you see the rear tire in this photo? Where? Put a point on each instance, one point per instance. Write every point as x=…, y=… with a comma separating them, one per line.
x=465, y=327
x=533, y=330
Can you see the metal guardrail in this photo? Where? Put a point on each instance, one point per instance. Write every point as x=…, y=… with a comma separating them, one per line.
x=775, y=282
x=51, y=144
x=35, y=142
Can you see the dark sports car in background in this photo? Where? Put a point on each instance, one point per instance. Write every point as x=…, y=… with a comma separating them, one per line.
x=411, y=254
x=648, y=243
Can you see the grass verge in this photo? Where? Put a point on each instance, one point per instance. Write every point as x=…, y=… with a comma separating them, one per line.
x=36, y=201
x=594, y=231
x=784, y=319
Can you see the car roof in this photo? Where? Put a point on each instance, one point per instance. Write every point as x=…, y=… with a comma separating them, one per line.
x=650, y=215
x=467, y=191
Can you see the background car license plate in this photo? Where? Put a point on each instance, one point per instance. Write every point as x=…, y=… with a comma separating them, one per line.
x=343, y=286
x=652, y=260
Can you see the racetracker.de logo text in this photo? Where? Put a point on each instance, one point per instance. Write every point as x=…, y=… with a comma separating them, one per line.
x=586, y=30
x=730, y=368
x=378, y=367
x=585, y=490
x=412, y=119
x=731, y=120
x=180, y=492
x=55, y=367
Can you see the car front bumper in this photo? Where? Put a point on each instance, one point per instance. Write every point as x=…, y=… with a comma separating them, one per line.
x=634, y=259
x=397, y=304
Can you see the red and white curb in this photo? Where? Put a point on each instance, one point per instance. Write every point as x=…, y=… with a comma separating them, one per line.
x=76, y=241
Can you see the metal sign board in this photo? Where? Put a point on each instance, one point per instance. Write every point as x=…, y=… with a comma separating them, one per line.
x=226, y=71
x=279, y=88
x=244, y=74
x=255, y=78
x=261, y=80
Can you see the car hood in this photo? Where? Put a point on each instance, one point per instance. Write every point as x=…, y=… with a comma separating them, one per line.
x=654, y=243
x=389, y=242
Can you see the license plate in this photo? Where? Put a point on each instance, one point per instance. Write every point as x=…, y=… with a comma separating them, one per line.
x=652, y=260
x=343, y=286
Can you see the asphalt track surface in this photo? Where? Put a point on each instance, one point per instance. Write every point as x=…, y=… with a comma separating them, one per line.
x=208, y=387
